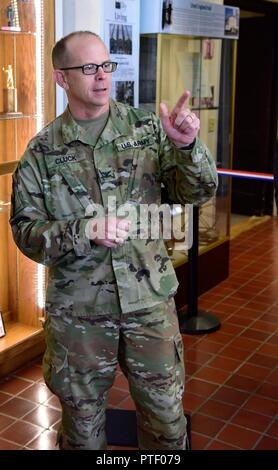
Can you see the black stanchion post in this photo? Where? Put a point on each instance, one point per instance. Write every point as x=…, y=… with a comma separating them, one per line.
x=196, y=321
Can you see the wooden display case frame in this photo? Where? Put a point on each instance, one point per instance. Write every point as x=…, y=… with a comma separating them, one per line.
x=24, y=339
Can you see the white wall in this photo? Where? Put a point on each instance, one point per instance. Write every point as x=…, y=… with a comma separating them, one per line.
x=82, y=15
x=75, y=15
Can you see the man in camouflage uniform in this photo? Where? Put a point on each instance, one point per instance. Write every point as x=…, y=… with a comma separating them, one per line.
x=109, y=298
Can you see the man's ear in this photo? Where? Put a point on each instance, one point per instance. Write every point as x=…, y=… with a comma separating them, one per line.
x=60, y=79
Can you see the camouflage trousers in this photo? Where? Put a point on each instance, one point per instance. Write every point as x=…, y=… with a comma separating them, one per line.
x=80, y=364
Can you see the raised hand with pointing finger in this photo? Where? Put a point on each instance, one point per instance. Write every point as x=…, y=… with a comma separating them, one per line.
x=181, y=126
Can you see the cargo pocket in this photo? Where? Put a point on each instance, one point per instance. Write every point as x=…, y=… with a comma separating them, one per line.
x=55, y=367
x=179, y=366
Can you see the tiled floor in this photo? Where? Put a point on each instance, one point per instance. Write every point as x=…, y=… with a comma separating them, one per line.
x=232, y=374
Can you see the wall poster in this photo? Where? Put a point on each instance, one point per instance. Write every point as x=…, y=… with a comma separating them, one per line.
x=190, y=17
x=121, y=36
x=200, y=18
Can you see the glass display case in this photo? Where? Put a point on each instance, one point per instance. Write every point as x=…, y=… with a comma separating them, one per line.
x=25, y=79
x=171, y=63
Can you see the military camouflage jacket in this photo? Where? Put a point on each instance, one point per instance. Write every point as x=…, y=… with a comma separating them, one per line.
x=61, y=174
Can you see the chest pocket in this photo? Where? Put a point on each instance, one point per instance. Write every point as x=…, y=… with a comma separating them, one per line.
x=67, y=197
x=142, y=157
x=76, y=186
x=127, y=169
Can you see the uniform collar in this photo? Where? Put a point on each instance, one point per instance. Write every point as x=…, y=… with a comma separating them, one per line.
x=116, y=126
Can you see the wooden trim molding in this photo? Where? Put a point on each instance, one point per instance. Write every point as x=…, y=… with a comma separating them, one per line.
x=49, y=40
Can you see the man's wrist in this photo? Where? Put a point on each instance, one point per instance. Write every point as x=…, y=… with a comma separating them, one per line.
x=188, y=146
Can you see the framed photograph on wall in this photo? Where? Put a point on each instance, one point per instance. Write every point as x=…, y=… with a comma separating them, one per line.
x=2, y=327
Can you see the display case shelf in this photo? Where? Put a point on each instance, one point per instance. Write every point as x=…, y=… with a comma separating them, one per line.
x=5, y=116
x=204, y=109
x=17, y=33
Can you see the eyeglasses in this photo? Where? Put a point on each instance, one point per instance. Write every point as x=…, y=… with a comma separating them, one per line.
x=91, y=69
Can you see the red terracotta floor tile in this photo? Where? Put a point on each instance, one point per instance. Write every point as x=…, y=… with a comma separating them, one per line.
x=38, y=393
x=43, y=416
x=189, y=341
x=231, y=329
x=55, y=427
x=5, y=421
x=200, y=387
x=208, y=346
x=218, y=410
x=220, y=337
x=191, y=368
x=239, y=319
x=243, y=383
x=245, y=343
x=271, y=318
x=206, y=425
x=218, y=445
x=268, y=391
x=116, y=396
x=192, y=402
x=198, y=441
x=17, y=407
x=210, y=374
x=45, y=441
x=226, y=308
x=257, y=305
x=32, y=372
x=21, y=433
x=251, y=420
x=262, y=405
x=267, y=443
x=236, y=435
x=121, y=382
x=6, y=445
x=272, y=377
x=269, y=350
x=225, y=363
x=253, y=371
x=264, y=326
x=233, y=301
x=127, y=404
x=4, y=397
x=230, y=395
x=264, y=299
x=273, y=430
x=14, y=385
x=54, y=402
x=255, y=334
x=235, y=353
x=273, y=339
x=273, y=311
x=197, y=356
x=262, y=360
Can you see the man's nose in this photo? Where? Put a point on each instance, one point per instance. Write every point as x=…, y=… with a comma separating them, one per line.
x=100, y=73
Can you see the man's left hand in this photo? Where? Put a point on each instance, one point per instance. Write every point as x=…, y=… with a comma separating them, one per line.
x=181, y=126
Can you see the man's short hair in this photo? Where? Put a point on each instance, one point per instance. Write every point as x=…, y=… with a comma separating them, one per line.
x=60, y=54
